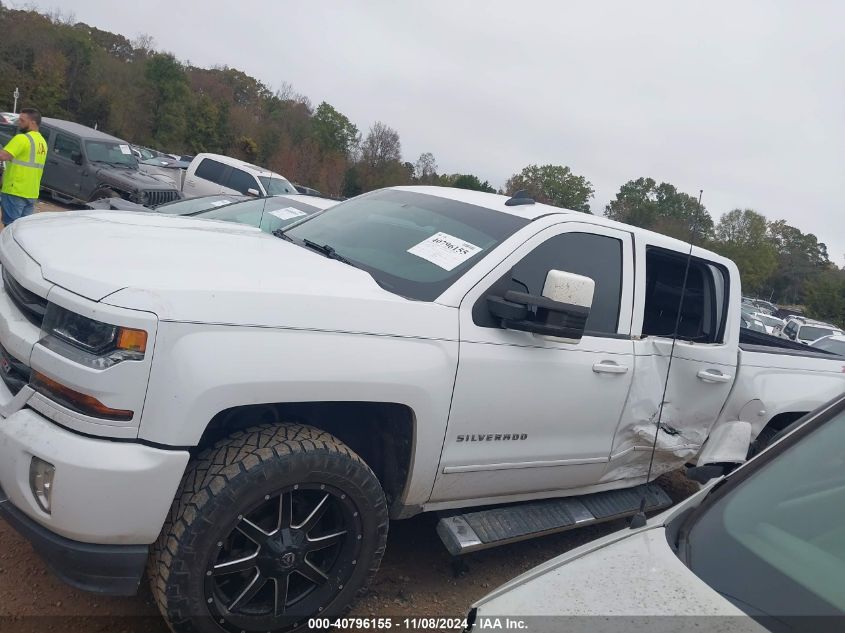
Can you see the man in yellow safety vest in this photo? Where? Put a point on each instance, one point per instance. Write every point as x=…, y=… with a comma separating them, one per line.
x=24, y=155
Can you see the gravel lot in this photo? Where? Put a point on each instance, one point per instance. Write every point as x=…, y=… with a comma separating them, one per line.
x=416, y=579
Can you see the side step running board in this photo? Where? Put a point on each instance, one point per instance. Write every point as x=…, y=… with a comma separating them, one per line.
x=472, y=531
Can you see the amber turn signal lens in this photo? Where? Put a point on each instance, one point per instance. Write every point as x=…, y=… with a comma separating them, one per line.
x=132, y=340
x=75, y=401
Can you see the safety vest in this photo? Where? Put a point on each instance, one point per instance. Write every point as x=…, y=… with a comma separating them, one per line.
x=22, y=177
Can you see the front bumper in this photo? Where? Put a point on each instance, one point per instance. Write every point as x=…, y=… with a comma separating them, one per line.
x=108, y=569
x=104, y=492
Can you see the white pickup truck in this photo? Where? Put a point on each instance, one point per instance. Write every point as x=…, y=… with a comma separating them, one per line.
x=242, y=413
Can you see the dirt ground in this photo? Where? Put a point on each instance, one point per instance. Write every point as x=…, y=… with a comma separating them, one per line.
x=416, y=579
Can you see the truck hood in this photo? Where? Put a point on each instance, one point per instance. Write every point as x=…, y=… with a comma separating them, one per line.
x=132, y=179
x=205, y=271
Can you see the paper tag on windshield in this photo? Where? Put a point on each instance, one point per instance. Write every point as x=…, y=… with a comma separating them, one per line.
x=220, y=203
x=444, y=250
x=287, y=213
x=125, y=149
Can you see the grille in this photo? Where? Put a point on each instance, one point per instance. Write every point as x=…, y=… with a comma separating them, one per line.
x=13, y=372
x=156, y=198
x=32, y=306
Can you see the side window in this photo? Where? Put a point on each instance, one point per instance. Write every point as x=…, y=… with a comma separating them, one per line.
x=702, y=317
x=211, y=170
x=66, y=146
x=595, y=256
x=241, y=181
x=791, y=328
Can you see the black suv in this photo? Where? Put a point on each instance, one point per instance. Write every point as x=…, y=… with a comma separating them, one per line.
x=84, y=164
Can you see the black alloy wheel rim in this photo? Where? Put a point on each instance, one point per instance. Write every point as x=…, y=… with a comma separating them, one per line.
x=284, y=560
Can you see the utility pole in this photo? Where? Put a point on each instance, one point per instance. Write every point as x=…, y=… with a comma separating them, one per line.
x=16, y=94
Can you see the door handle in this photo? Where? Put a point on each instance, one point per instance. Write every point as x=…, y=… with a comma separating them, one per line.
x=609, y=367
x=713, y=375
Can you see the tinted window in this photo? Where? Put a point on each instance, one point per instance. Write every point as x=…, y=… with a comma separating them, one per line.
x=241, y=181
x=413, y=244
x=791, y=327
x=276, y=186
x=775, y=543
x=66, y=146
x=702, y=315
x=595, y=256
x=211, y=170
x=812, y=332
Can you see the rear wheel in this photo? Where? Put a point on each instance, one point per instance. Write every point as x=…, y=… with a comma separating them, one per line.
x=272, y=526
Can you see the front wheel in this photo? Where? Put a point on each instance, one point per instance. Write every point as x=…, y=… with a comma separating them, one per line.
x=272, y=526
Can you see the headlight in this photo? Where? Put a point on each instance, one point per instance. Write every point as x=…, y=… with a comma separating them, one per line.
x=90, y=342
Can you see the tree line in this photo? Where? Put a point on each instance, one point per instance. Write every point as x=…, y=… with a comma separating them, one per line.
x=74, y=71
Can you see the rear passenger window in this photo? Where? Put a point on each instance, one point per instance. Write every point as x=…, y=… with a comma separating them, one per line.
x=595, y=256
x=241, y=181
x=703, y=312
x=211, y=170
x=66, y=146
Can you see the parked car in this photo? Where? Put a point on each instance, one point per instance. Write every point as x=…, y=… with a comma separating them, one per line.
x=210, y=174
x=143, y=153
x=165, y=167
x=750, y=321
x=305, y=389
x=308, y=191
x=84, y=164
x=9, y=117
x=772, y=324
x=806, y=331
x=834, y=343
x=269, y=214
x=758, y=550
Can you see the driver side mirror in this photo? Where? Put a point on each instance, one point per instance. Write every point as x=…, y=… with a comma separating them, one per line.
x=76, y=157
x=559, y=314
x=253, y=192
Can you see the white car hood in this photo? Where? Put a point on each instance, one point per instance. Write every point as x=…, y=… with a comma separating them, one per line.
x=185, y=269
x=629, y=574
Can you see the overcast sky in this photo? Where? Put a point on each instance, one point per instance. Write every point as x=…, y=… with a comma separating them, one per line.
x=745, y=100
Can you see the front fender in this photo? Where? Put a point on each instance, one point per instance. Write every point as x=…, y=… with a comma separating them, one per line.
x=201, y=370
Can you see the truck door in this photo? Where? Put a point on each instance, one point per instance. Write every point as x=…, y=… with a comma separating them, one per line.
x=530, y=414
x=63, y=168
x=703, y=367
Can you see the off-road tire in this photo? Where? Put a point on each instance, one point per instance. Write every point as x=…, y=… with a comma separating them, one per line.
x=230, y=476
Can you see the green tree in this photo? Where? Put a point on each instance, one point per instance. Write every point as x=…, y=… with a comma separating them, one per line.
x=741, y=235
x=826, y=297
x=662, y=208
x=466, y=181
x=801, y=258
x=333, y=131
x=553, y=184
x=170, y=99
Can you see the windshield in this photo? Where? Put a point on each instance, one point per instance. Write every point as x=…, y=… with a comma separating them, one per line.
x=276, y=186
x=111, y=153
x=811, y=332
x=413, y=244
x=831, y=345
x=189, y=206
x=774, y=544
x=268, y=214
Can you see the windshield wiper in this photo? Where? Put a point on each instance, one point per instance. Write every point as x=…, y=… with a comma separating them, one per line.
x=281, y=233
x=327, y=250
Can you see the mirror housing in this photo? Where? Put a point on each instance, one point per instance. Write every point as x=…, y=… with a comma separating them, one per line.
x=253, y=192
x=76, y=157
x=559, y=314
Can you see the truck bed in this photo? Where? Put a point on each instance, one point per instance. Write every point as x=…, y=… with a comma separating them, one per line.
x=751, y=341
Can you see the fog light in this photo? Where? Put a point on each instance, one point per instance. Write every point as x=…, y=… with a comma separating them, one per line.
x=41, y=481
